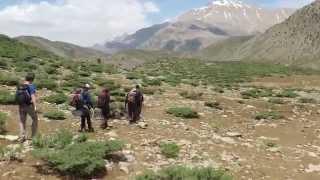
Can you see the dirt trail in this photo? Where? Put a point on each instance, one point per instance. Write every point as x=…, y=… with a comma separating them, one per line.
x=231, y=138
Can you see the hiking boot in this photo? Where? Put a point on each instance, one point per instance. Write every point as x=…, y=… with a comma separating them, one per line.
x=81, y=130
x=90, y=130
x=22, y=140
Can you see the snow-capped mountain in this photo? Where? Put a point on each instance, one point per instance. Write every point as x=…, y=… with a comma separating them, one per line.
x=201, y=27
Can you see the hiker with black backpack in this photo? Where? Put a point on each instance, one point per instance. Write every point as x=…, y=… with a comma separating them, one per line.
x=133, y=104
x=81, y=100
x=104, y=105
x=27, y=101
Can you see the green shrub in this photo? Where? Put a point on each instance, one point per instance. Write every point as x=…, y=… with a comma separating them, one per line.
x=58, y=140
x=117, y=93
x=11, y=153
x=80, y=159
x=7, y=98
x=215, y=105
x=287, y=94
x=256, y=93
x=270, y=115
x=277, y=101
x=46, y=83
x=151, y=82
x=51, y=70
x=307, y=101
x=170, y=150
x=3, y=120
x=184, y=112
x=55, y=115
x=59, y=98
x=81, y=138
x=191, y=95
x=182, y=173
x=8, y=79
x=110, y=84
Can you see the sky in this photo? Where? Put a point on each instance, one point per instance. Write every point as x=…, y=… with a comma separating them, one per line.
x=87, y=22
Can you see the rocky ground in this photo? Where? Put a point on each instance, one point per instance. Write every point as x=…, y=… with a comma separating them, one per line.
x=228, y=137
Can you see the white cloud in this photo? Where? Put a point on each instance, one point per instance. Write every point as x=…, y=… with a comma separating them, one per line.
x=82, y=22
x=292, y=3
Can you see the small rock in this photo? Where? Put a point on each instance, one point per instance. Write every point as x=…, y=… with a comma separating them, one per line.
x=9, y=137
x=234, y=134
x=313, y=168
x=142, y=125
x=123, y=166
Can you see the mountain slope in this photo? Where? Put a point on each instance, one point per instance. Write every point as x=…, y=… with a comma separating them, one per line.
x=293, y=42
x=11, y=48
x=62, y=49
x=199, y=28
x=224, y=50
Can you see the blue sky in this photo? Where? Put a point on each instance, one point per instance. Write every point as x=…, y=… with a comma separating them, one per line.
x=76, y=20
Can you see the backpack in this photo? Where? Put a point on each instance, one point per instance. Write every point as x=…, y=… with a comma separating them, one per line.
x=102, y=100
x=132, y=96
x=23, y=96
x=77, y=101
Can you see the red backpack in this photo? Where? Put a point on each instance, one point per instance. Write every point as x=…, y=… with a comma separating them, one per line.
x=102, y=100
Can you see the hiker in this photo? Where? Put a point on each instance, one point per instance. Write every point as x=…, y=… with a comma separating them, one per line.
x=82, y=102
x=139, y=101
x=27, y=101
x=133, y=102
x=104, y=105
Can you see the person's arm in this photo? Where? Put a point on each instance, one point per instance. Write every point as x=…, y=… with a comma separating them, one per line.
x=32, y=91
x=90, y=103
x=34, y=101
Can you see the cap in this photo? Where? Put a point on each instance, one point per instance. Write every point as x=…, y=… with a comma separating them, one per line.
x=87, y=86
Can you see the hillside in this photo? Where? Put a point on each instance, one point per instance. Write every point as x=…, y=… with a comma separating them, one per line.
x=198, y=28
x=293, y=42
x=224, y=50
x=11, y=48
x=62, y=49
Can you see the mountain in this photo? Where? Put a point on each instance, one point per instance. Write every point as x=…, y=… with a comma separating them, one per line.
x=201, y=27
x=296, y=41
x=62, y=49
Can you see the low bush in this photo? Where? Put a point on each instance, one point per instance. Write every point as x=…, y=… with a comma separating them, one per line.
x=58, y=140
x=55, y=115
x=287, y=94
x=191, y=95
x=110, y=84
x=215, y=105
x=46, y=83
x=59, y=98
x=277, y=101
x=270, y=115
x=11, y=153
x=170, y=150
x=152, y=82
x=79, y=159
x=307, y=101
x=3, y=120
x=8, y=79
x=256, y=93
x=7, y=97
x=184, y=112
x=50, y=70
x=181, y=173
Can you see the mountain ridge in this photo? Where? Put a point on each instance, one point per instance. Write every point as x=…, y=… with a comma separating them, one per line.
x=198, y=28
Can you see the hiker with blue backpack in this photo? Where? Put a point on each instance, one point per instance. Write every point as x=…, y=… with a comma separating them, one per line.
x=83, y=103
x=27, y=101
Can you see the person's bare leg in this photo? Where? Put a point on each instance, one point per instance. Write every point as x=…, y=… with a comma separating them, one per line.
x=22, y=123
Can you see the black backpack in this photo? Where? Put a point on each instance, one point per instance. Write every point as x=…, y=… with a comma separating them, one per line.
x=23, y=96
